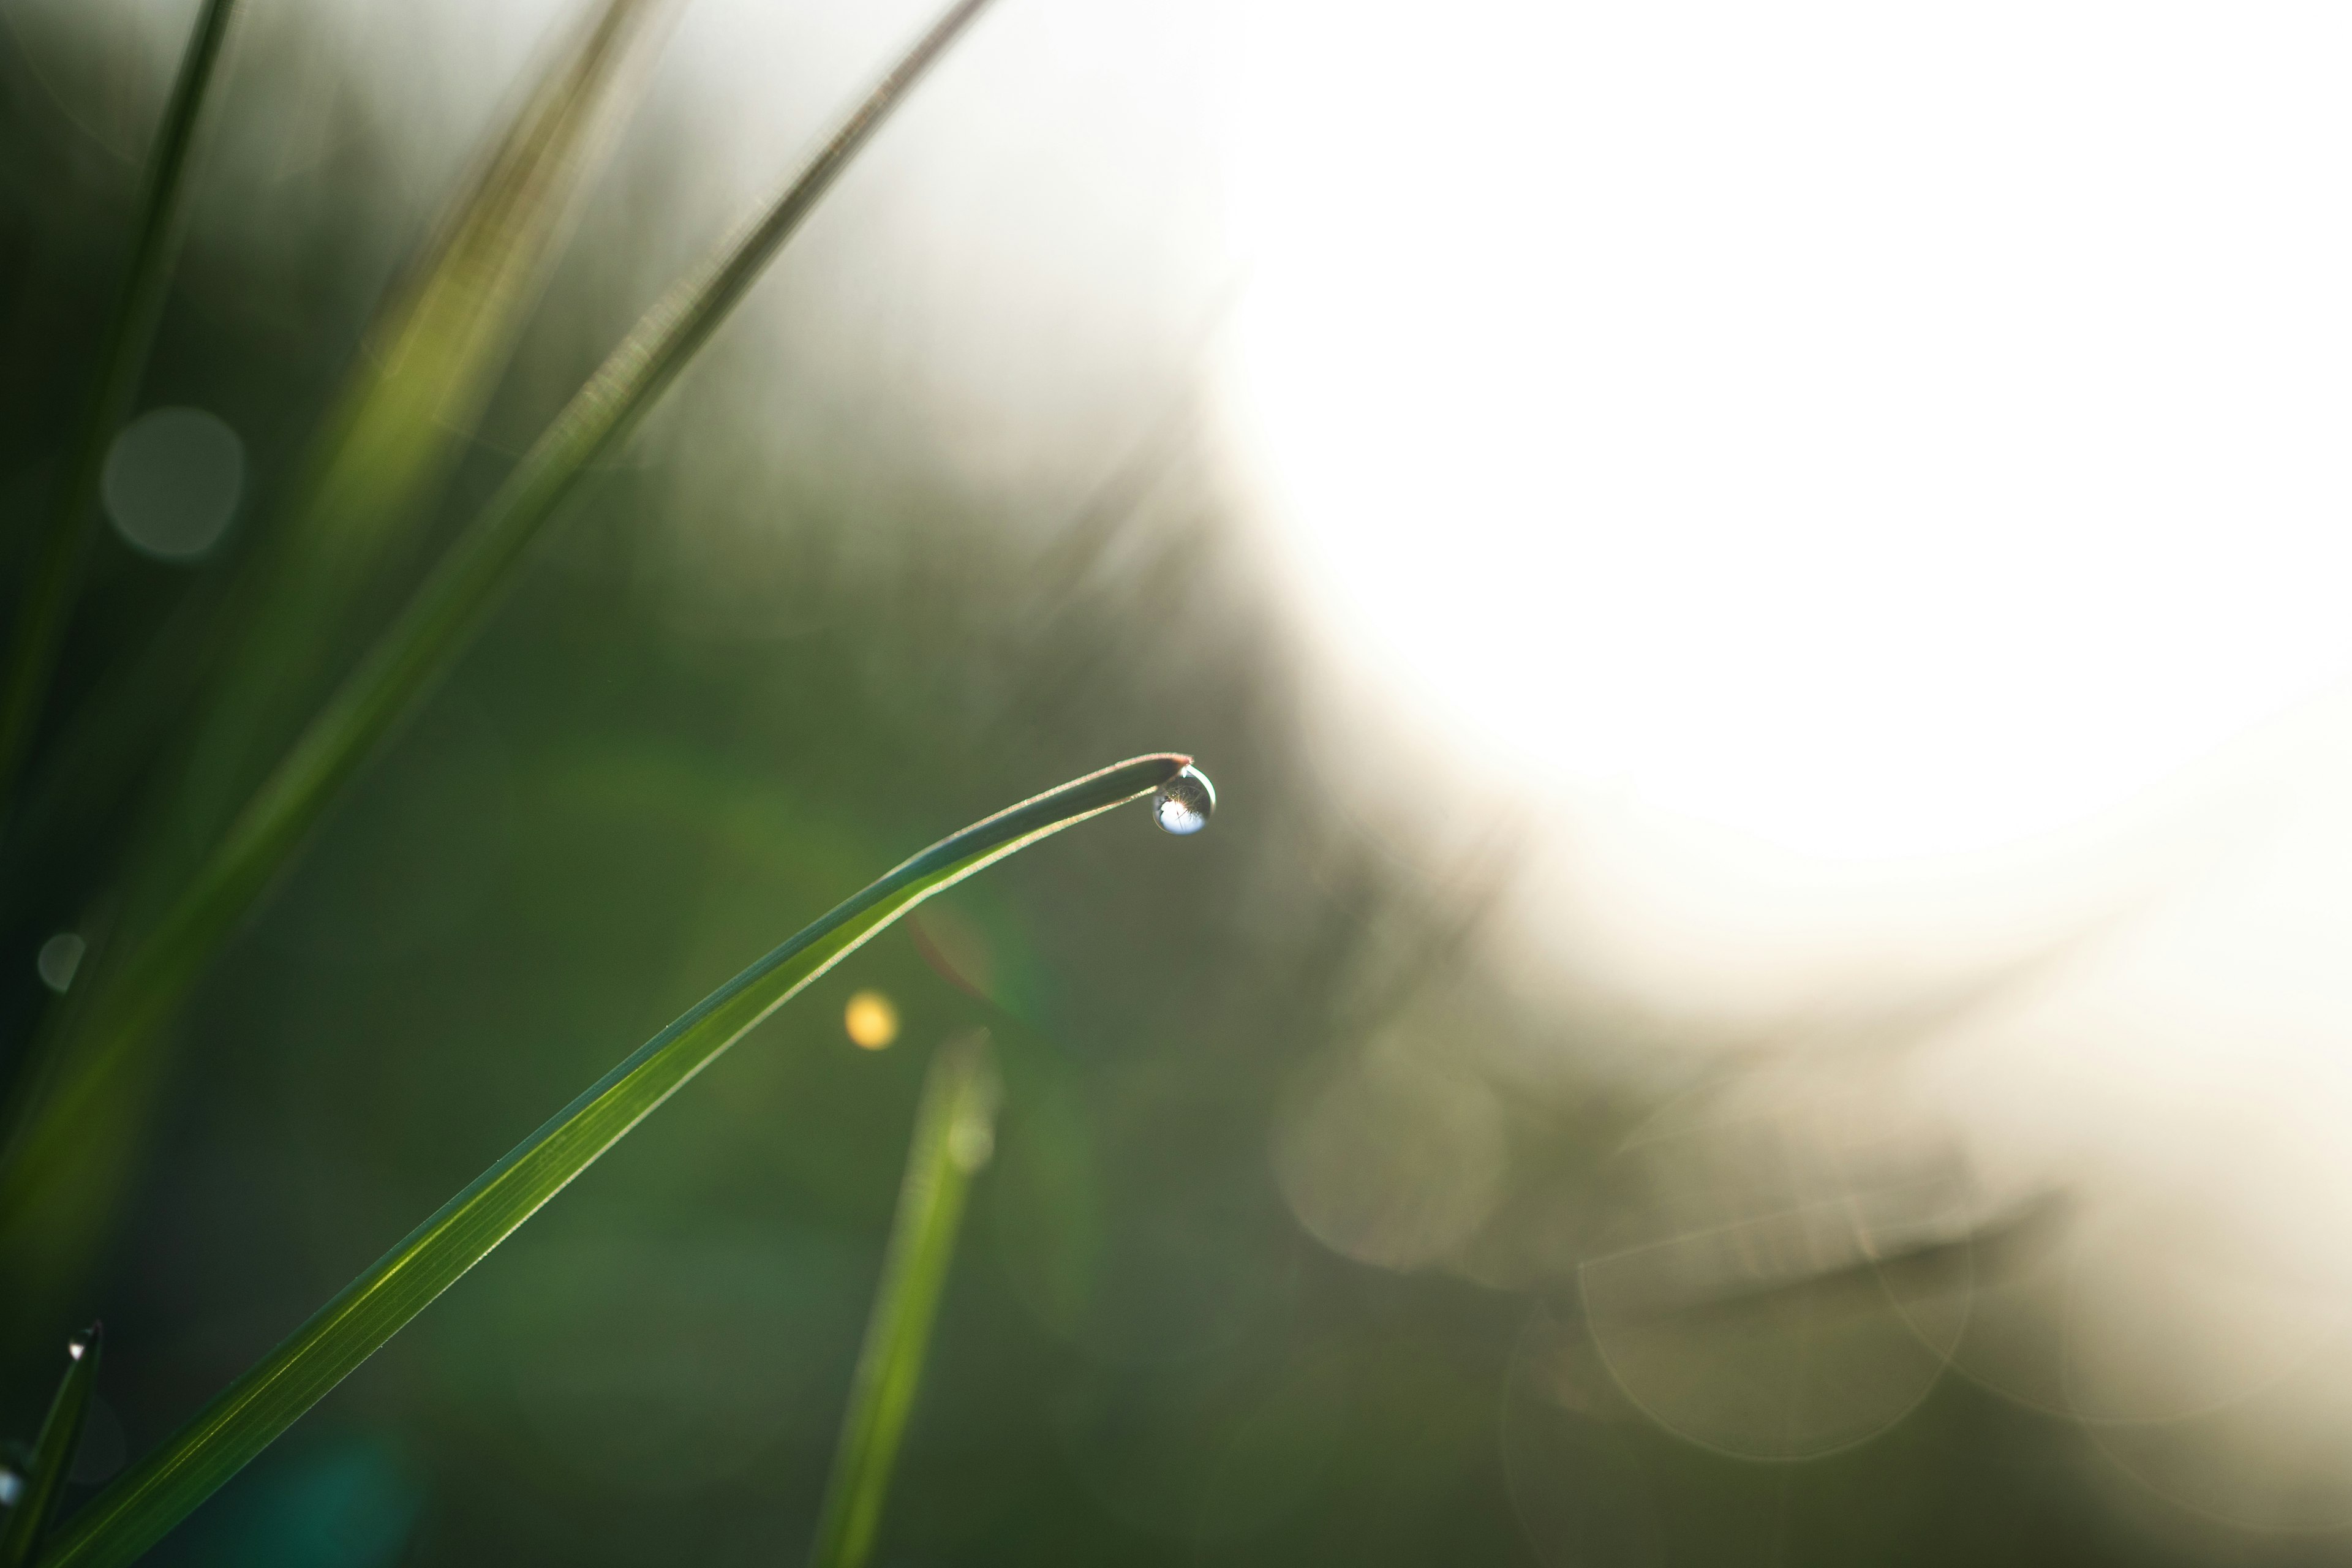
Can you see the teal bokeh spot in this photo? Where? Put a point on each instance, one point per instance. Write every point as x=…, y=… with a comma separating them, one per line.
x=345, y=1503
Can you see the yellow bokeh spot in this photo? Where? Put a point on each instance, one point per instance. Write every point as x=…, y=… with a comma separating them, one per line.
x=871, y=1020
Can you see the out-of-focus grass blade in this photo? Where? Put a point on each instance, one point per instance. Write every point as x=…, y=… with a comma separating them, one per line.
x=430, y=631
x=48, y=598
x=53, y=1452
x=86, y=774
x=157, y=1492
x=955, y=1132
x=440, y=343
x=438, y=347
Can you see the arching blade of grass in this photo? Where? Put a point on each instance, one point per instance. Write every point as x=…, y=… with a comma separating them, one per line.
x=56, y=571
x=157, y=1492
x=955, y=1132
x=53, y=1452
x=425, y=639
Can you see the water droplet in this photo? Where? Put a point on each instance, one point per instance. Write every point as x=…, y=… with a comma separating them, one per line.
x=1183, y=804
x=59, y=958
x=12, y=1486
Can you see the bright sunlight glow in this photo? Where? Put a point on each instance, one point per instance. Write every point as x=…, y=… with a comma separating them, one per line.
x=1885, y=431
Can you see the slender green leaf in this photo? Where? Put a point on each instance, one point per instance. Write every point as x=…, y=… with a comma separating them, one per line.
x=43, y=1053
x=49, y=590
x=955, y=1132
x=435, y=624
x=156, y=1493
x=87, y=770
x=430, y=632
x=439, y=345
x=53, y=1452
x=440, y=342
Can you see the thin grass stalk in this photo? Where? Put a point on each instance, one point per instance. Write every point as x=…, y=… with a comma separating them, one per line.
x=955, y=1132
x=89, y=768
x=441, y=342
x=433, y=628
x=53, y=1451
x=60, y=1020
x=157, y=1492
x=51, y=587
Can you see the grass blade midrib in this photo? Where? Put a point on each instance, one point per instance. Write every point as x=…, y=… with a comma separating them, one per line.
x=143, y=1503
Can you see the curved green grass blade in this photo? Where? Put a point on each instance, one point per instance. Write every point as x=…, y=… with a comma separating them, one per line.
x=955, y=1132
x=49, y=596
x=432, y=629
x=53, y=1452
x=156, y=1493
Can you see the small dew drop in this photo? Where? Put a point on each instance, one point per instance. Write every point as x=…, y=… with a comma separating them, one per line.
x=59, y=957
x=1183, y=804
x=12, y=1486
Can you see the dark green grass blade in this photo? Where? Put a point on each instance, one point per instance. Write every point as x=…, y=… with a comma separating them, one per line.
x=440, y=342
x=424, y=641
x=248, y=661
x=53, y=1452
x=48, y=598
x=86, y=772
x=438, y=346
x=157, y=1492
x=955, y=1131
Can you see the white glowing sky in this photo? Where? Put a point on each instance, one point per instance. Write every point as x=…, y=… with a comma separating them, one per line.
x=1884, y=431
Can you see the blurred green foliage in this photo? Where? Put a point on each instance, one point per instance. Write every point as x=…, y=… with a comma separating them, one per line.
x=759, y=661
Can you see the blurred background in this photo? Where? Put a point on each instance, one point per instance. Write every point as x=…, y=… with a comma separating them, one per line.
x=1764, y=592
